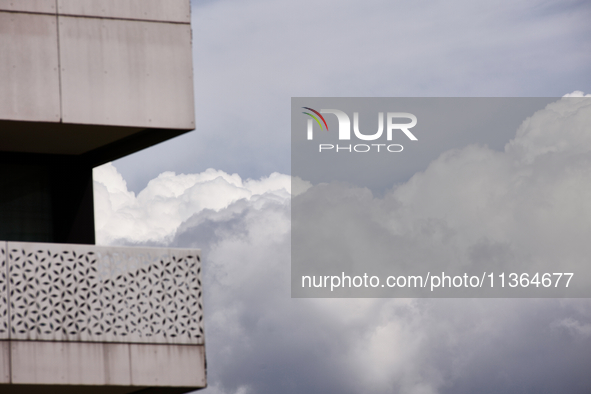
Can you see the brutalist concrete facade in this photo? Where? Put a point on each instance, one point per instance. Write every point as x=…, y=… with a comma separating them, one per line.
x=83, y=82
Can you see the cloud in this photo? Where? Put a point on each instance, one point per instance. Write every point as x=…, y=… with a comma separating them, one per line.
x=537, y=189
x=574, y=327
x=577, y=93
x=524, y=209
x=157, y=211
x=533, y=197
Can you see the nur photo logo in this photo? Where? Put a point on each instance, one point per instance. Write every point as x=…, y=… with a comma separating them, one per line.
x=393, y=125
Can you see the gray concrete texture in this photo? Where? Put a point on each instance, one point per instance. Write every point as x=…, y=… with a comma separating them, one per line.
x=74, y=363
x=88, y=293
x=29, y=67
x=132, y=73
x=37, y=6
x=85, y=315
x=110, y=62
x=150, y=10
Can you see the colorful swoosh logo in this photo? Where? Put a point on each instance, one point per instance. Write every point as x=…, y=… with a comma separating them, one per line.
x=315, y=118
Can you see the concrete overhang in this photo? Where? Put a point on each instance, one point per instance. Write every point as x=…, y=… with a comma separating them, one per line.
x=99, y=79
x=92, y=144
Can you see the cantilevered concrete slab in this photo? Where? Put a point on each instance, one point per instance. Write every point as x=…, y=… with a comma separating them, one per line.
x=103, y=76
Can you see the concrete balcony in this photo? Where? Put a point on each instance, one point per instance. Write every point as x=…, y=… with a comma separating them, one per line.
x=85, y=318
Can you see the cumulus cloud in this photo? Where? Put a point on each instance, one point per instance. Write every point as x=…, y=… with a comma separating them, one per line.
x=524, y=209
x=533, y=194
x=577, y=93
x=157, y=211
x=532, y=197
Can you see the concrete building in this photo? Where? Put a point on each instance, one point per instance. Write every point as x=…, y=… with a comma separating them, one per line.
x=83, y=82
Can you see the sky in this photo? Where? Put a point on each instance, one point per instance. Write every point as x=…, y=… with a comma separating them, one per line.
x=226, y=189
x=251, y=57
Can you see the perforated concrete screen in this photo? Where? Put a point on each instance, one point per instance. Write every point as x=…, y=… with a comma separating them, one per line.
x=90, y=315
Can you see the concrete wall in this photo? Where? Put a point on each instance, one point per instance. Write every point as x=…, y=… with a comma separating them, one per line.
x=100, y=62
x=89, y=316
x=137, y=366
x=29, y=67
x=84, y=82
x=150, y=10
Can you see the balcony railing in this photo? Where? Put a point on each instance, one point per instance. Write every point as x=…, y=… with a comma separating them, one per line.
x=103, y=316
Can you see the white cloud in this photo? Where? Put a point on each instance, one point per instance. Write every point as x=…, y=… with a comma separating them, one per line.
x=577, y=93
x=562, y=127
x=532, y=197
x=168, y=200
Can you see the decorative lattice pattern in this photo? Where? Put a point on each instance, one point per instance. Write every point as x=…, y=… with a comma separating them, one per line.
x=89, y=293
x=3, y=292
